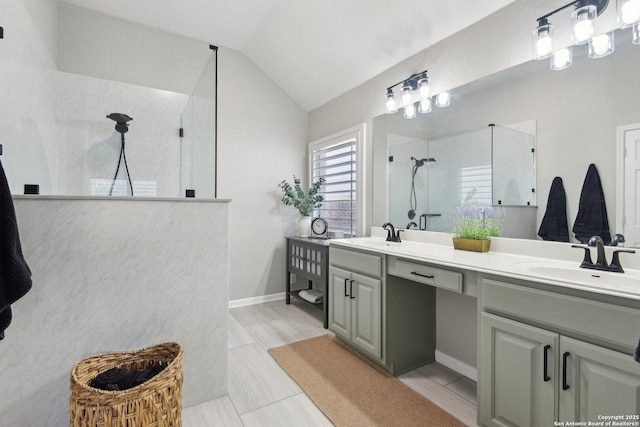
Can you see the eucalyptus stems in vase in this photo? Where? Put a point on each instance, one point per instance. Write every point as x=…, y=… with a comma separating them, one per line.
x=304, y=203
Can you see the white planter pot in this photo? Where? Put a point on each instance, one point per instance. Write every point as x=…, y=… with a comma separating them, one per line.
x=304, y=225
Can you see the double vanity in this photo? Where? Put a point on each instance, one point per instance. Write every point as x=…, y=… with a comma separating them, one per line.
x=555, y=342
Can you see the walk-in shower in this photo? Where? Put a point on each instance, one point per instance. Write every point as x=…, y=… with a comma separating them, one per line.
x=492, y=165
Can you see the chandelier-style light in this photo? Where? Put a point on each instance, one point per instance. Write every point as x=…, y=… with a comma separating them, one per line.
x=583, y=31
x=415, y=96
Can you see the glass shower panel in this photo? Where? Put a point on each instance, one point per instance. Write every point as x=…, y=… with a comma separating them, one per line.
x=513, y=166
x=401, y=181
x=459, y=176
x=198, y=146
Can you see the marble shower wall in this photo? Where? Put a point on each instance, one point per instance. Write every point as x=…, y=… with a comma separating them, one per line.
x=112, y=275
x=54, y=129
x=89, y=145
x=28, y=95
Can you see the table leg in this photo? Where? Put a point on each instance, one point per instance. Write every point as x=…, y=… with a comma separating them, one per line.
x=288, y=289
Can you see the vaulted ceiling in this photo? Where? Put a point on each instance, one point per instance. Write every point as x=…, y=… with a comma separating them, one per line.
x=314, y=50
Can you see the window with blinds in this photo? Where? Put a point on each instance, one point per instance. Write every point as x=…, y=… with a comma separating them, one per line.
x=336, y=160
x=475, y=185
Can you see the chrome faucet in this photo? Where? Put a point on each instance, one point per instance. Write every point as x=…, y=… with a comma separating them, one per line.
x=601, y=261
x=392, y=234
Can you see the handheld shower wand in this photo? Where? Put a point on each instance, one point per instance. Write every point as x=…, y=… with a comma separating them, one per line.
x=123, y=127
x=413, y=200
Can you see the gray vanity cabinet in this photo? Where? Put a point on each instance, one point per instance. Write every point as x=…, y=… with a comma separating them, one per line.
x=598, y=382
x=535, y=375
x=516, y=387
x=355, y=309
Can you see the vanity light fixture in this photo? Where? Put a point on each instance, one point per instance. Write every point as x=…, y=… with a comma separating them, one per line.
x=628, y=12
x=391, y=102
x=583, y=31
x=424, y=106
x=443, y=99
x=562, y=59
x=415, y=96
x=407, y=94
x=410, y=111
x=601, y=45
x=582, y=23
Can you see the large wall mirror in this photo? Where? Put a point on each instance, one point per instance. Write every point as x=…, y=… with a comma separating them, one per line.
x=429, y=178
x=572, y=117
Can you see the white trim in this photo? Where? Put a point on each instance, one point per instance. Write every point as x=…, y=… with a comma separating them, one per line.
x=359, y=133
x=457, y=365
x=256, y=300
x=620, y=172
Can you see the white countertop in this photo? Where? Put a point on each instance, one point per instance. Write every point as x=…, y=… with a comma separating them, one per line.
x=558, y=271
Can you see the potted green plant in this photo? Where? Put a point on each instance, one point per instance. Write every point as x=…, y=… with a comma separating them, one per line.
x=474, y=225
x=305, y=203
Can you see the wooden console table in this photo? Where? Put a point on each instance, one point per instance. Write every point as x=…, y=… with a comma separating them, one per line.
x=308, y=258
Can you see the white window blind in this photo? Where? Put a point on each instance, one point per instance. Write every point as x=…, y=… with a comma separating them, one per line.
x=336, y=159
x=475, y=185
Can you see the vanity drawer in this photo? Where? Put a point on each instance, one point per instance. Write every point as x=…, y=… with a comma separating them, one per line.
x=568, y=314
x=359, y=262
x=434, y=276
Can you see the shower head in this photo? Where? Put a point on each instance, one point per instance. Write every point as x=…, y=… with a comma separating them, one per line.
x=121, y=121
x=421, y=162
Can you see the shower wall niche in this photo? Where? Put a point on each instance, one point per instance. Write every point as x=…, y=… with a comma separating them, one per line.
x=63, y=79
x=490, y=166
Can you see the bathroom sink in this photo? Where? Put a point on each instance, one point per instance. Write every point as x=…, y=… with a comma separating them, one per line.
x=373, y=243
x=628, y=281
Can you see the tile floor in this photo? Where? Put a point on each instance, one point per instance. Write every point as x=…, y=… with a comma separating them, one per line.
x=262, y=394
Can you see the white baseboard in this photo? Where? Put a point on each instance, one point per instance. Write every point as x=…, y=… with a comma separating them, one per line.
x=457, y=365
x=256, y=300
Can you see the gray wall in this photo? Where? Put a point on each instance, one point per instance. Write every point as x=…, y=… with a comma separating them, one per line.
x=261, y=141
x=96, y=45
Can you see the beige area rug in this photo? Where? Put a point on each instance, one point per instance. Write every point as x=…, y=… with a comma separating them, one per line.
x=352, y=391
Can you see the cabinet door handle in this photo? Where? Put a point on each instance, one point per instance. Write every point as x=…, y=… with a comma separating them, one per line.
x=346, y=294
x=565, y=356
x=415, y=273
x=545, y=376
x=351, y=290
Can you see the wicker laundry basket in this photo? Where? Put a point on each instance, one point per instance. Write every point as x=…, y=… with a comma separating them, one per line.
x=154, y=403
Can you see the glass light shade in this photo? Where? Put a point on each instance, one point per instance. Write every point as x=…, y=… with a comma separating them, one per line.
x=582, y=24
x=423, y=88
x=425, y=105
x=407, y=97
x=636, y=33
x=542, y=42
x=601, y=45
x=628, y=12
x=561, y=59
x=409, y=111
x=443, y=99
x=391, y=103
